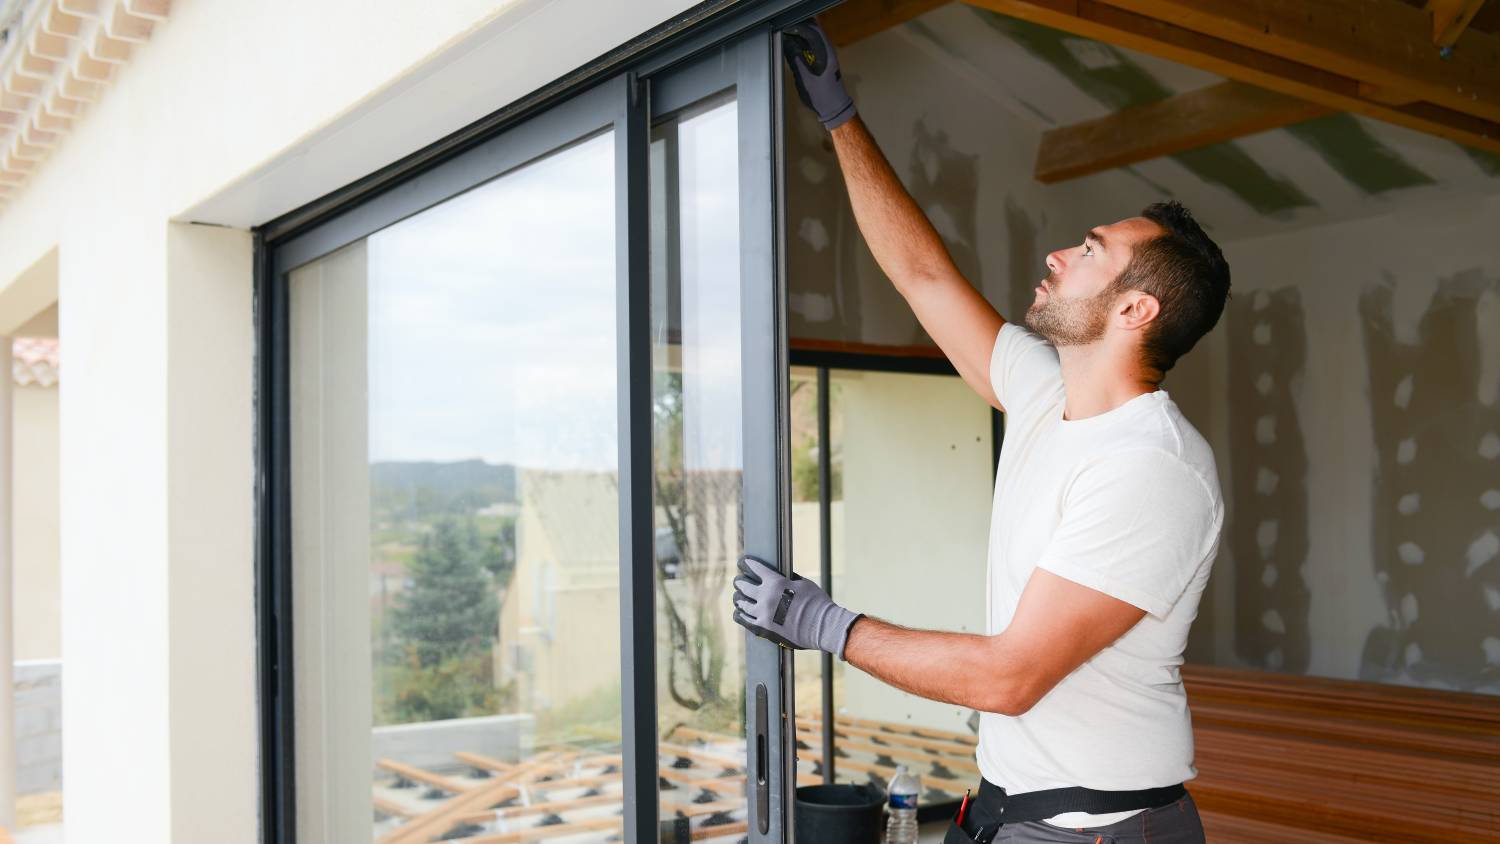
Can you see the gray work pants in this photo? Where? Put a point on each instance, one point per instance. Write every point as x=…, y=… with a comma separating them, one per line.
x=1174, y=823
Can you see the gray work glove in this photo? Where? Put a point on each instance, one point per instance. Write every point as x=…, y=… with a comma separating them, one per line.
x=815, y=69
x=789, y=611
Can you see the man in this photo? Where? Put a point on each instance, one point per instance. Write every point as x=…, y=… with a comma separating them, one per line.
x=1106, y=514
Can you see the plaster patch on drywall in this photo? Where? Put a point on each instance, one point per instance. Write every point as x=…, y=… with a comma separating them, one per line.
x=1026, y=266
x=1437, y=439
x=945, y=184
x=1268, y=529
x=1357, y=155
x=1113, y=79
x=824, y=241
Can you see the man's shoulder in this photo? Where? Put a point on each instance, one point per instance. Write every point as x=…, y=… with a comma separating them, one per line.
x=1190, y=446
x=1023, y=368
x=1147, y=460
x=1158, y=434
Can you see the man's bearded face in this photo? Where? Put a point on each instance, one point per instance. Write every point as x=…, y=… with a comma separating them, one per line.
x=1069, y=322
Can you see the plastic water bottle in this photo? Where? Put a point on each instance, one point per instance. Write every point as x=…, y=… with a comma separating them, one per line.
x=901, y=823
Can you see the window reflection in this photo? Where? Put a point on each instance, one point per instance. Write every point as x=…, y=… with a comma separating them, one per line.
x=698, y=471
x=455, y=518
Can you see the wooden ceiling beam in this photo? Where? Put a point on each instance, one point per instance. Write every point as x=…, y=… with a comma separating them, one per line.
x=1378, y=94
x=1450, y=18
x=1383, y=42
x=1186, y=121
x=1103, y=22
x=858, y=19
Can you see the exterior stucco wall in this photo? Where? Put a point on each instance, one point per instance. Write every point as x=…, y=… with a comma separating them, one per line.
x=34, y=528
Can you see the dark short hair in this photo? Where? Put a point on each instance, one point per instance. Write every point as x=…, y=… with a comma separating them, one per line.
x=1183, y=268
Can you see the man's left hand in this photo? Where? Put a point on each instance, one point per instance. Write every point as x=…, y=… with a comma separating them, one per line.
x=790, y=611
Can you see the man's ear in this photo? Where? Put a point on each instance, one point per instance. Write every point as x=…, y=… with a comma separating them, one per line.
x=1137, y=310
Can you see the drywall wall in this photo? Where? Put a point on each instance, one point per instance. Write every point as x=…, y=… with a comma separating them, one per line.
x=1377, y=343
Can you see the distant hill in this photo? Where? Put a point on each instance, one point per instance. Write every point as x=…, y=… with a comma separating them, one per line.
x=419, y=489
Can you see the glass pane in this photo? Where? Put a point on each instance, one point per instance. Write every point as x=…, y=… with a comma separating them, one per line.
x=914, y=485
x=695, y=328
x=807, y=560
x=455, y=512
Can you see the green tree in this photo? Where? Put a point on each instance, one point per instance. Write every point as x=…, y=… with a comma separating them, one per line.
x=459, y=686
x=497, y=554
x=450, y=608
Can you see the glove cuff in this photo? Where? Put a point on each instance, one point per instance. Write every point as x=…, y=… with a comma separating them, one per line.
x=836, y=630
x=839, y=118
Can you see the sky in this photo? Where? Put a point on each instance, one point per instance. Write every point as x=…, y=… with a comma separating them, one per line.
x=492, y=315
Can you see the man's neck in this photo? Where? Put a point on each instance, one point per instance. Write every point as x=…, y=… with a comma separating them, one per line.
x=1098, y=380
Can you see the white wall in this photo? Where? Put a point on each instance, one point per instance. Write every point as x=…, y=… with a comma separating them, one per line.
x=34, y=537
x=233, y=113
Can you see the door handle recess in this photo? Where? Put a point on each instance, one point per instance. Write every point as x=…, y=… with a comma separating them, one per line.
x=762, y=762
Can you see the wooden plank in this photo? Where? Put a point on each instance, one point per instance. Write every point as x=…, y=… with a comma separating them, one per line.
x=1293, y=758
x=1300, y=802
x=1380, y=41
x=603, y=780
x=887, y=772
x=1376, y=93
x=1102, y=22
x=899, y=752
x=546, y=807
x=1410, y=706
x=439, y=820
x=1233, y=829
x=705, y=736
x=736, y=830
x=943, y=746
x=1186, y=121
x=856, y=19
x=1450, y=18
x=702, y=755
x=481, y=762
x=539, y=833
x=390, y=807
x=415, y=774
x=966, y=739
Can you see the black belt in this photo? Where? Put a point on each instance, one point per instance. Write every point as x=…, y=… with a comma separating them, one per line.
x=993, y=807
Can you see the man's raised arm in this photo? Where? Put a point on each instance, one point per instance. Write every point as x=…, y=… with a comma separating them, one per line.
x=907, y=247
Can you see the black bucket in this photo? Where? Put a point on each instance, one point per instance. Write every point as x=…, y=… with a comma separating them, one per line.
x=839, y=814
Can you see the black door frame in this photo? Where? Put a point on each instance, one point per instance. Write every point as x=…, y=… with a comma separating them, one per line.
x=613, y=93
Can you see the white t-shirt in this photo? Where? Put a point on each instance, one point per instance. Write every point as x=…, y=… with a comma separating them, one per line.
x=1126, y=502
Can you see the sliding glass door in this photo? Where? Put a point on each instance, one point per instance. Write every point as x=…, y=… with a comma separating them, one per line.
x=455, y=563
x=523, y=411
x=717, y=483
